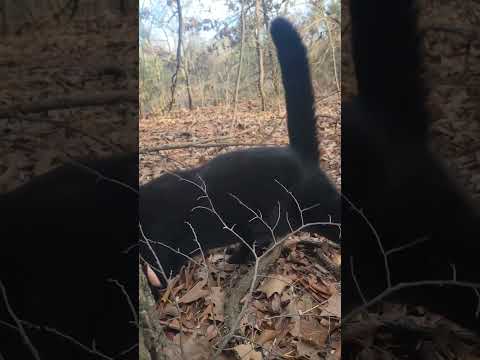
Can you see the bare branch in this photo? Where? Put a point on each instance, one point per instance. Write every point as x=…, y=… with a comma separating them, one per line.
x=196, y=145
x=19, y=324
x=74, y=101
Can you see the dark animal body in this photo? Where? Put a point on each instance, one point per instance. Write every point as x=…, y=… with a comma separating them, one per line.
x=392, y=175
x=64, y=235
x=258, y=177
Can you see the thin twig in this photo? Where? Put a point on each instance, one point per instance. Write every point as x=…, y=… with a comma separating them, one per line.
x=68, y=102
x=199, y=145
x=17, y=321
x=405, y=285
x=129, y=301
x=377, y=238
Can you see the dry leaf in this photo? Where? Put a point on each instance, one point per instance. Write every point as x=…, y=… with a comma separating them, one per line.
x=174, y=324
x=195, y=293
x=211, y=332
x=169, y=309
x=217, y=297
x=300, y=305
x=333, y=307
x=308, y=329
x=337, y=259
x=259, y=306
x=247, y=352
x=207, y=311
x=308, y=351
x=276, y=303
x=169, y=289
x=195, y=348
x=317, y=285
x=275, y=284
x=336, y=351
x=265, y=336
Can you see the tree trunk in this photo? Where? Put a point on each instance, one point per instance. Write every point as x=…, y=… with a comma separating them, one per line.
x=258, y=26
x=239, y=71
x=227, y=82
x=273, y=66
x=179, y=56
x=186, y=73
x=332, y=46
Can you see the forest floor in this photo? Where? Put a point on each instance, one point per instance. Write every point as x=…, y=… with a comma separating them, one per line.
x=296, y=306
x=57, y=63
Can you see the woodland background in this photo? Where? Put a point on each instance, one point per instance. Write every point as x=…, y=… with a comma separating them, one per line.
x=228, y=85
x=215, y=109
x=301, y=280
x=210, y=48
x=226, y=93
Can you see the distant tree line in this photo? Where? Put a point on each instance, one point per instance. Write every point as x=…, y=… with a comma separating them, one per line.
x=180, y=69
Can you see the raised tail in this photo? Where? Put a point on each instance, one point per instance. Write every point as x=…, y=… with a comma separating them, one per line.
x=387, y=58
x=299, y=97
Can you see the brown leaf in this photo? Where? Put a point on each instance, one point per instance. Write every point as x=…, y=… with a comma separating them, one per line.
x=305, y=350
x=337, y=259
x=196, y=347
x=206, y=312
x=247, y=352
x=211, y=332
x=217, y=298
x=169, y=309
x=169, y=290
x=276, y=284
x=336, y=351
x=265, y=336
x=195, y=293
x=300, y=305
x=276, y=303
x=317, y=285
x=309, y=330
x=259, y=306
x=333, y=307
x=172, y=324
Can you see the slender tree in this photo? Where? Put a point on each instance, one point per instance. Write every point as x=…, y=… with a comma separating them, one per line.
x=332, y=46
x=186, y=73
x=258, y=45
x=240, y=61
x=273, y=67
x=179, y=56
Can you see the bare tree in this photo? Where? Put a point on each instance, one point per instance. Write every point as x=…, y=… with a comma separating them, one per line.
x=273, y=68
x=332, y=46
x=240, y=61
x=227, y=69
x=179, y=56
x=258, y=45
x=186, y=73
